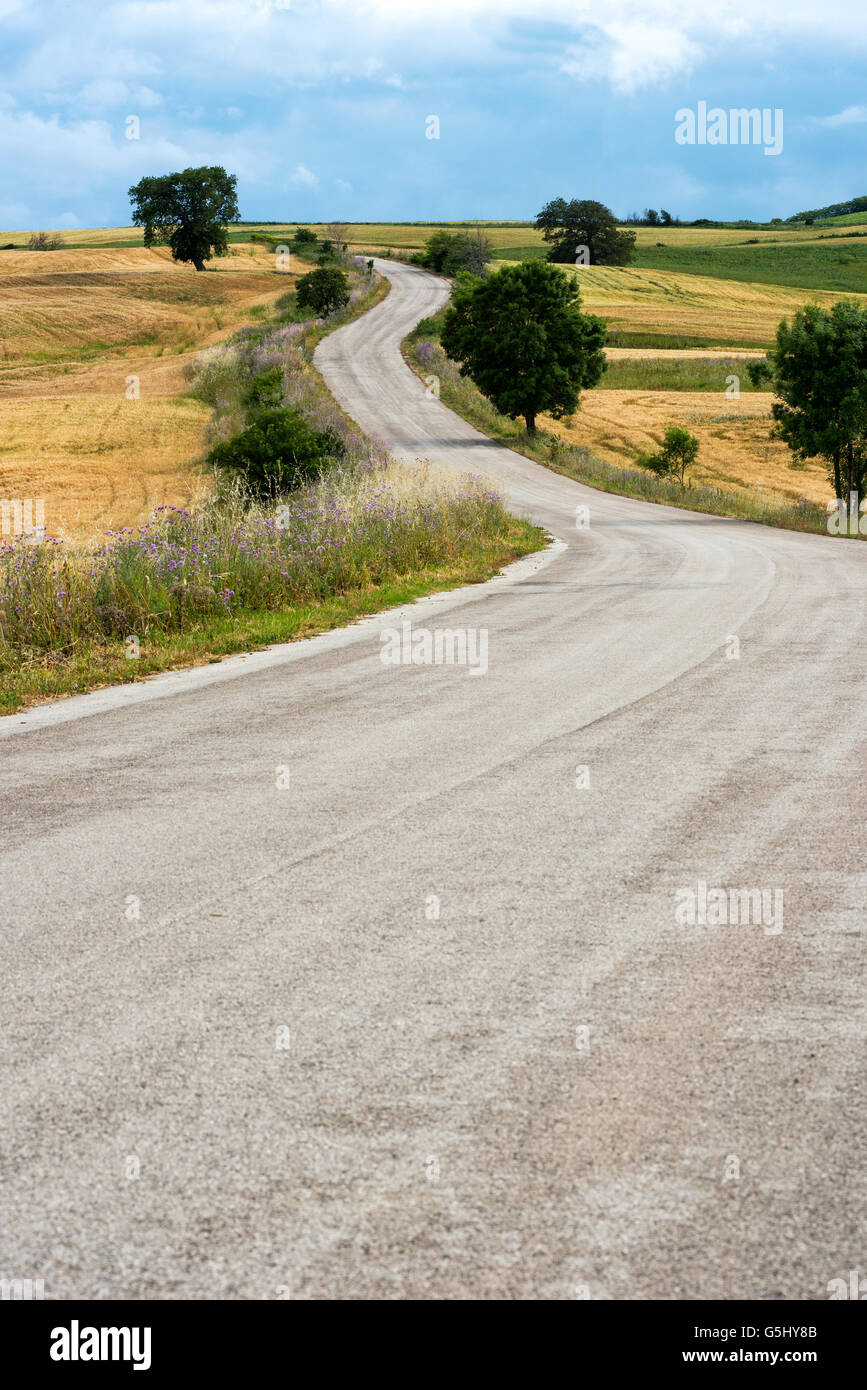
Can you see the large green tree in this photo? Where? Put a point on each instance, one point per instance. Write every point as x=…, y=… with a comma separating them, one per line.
x=818, y=371
x=583, y=222
x=189, y=212
x=520, y=335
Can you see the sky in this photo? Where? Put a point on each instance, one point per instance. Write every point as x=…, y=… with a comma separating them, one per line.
x=374, y=110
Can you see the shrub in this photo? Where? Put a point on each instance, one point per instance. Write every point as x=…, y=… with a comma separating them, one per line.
x=323, y=290
x=265, y=391
x=277, y=452
x=304, y=237
x=44, y=241
x=678, y=453
x=450, y=252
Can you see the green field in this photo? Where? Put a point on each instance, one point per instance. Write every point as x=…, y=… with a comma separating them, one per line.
x=680, y=374
x=838, y=265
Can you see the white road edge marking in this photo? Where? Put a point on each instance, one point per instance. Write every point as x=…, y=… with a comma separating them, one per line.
x=159, y=687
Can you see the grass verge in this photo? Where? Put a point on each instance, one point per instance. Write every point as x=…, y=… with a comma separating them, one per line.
x=93, y=664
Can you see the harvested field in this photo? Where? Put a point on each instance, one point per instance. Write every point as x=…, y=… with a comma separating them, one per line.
x=75, y=327
x=735, y=452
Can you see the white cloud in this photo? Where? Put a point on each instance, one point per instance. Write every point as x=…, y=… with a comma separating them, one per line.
x=343, y=185
x=851, y=115
x=631, y=56
x=302, y=177
x=628, y=44
x=111, y=91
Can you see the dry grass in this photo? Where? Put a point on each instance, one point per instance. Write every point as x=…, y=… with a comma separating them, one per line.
x=659, y=301
x=74, y=326
x=78, y=305
x=736, y=451
x=101, y=461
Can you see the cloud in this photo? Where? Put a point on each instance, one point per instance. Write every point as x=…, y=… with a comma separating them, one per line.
x=302, y=177
x=851, y=115
x=245, y=81
x=110, y=91
x=343, y=185
x=632, y=56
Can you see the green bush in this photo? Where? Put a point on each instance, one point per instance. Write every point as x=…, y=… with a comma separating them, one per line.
x=449, y=252
x=323, y=290
x=276, y=453
x=265, y=391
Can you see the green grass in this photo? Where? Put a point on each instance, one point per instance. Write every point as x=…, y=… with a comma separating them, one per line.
x=681, y=374
x=637, y=338
x=840, y=265
x=520, y=253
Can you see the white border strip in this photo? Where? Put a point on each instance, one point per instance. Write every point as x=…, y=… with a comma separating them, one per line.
x=167, y=683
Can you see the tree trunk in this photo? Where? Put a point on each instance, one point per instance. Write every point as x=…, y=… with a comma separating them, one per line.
x=850, y=470
x=199, y=264
x=838, y=486
x=530, y=421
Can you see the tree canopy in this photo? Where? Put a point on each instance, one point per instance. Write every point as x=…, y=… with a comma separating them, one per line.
x=323, y=290
x=819, y=374
x=189, y=212
x=450, y=252
x=678, y=453
x=583, y=222
x=522, y=338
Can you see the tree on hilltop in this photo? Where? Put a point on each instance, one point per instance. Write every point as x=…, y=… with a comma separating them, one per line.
x=188, y=211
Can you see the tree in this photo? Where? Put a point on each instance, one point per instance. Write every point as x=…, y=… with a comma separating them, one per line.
x=323, y=290
x=449, y=252
x=665, y=218
x=584, y=223
x=521, y=337
x=188, y=212
x=304, y=237
x=818, y=371
x=679, y=451
x=651, y=217
x=337, y=234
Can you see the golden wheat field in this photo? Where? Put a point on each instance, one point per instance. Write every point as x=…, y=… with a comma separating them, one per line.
x=661, y=301
x=75, y=326
x=736, y=450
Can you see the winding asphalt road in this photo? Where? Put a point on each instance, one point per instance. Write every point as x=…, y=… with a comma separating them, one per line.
x=415, y=1017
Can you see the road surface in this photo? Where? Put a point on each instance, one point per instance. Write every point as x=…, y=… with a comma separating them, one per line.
x=337, y=979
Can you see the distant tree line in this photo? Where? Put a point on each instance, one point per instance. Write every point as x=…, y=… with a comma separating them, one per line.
x=651, y=218
x=832, y=210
